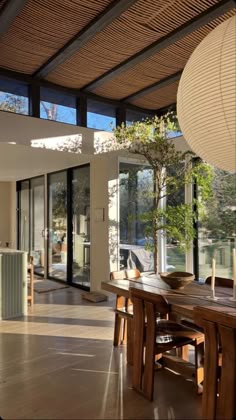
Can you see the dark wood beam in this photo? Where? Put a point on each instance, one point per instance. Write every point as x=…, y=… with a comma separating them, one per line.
x=114, y=10
x=25, y=78
x=8, y=13
x=203, y=19
x=154, y=87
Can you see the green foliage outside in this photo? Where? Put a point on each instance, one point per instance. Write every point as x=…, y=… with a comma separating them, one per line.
x=220, y=218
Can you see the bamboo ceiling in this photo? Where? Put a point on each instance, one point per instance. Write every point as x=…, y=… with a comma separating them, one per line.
x=69, y=29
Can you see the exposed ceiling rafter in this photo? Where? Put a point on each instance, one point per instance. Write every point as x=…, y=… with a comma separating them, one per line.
x=114, y=10
x=27, y=79
x=154, y=87
x=10, y=10
x=203, y=19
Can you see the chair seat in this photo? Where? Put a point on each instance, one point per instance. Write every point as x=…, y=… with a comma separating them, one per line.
x=169, y=333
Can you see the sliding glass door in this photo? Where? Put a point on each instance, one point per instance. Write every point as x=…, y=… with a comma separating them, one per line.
x=81, y=226
x=24, y=216
x=217, y=229
x=57, y=225
x=37, y=223
x=64, y=235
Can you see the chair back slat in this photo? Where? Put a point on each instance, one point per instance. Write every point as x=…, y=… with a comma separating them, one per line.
x=118, y=275
x=133, y=273
x=159, y=303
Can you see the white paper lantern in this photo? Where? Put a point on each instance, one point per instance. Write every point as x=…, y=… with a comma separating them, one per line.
x=206, y=99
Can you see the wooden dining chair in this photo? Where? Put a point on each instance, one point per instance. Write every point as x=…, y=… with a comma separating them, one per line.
x=120, y=311
x=153, y=336
x=132, y=273
x=218, y=393
x=220, y=282
x=30, y=270
x=123, y=309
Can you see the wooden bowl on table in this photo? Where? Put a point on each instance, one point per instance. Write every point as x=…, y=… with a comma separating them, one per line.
x=177, y=279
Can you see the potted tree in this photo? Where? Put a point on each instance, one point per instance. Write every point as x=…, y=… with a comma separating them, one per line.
x=150, y=140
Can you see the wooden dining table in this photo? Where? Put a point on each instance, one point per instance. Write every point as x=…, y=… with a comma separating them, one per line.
x=185, y=304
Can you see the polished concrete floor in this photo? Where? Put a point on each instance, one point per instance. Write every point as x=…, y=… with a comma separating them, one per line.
x=59, y=363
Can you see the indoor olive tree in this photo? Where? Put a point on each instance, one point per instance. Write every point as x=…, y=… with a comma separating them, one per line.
x=149, y=139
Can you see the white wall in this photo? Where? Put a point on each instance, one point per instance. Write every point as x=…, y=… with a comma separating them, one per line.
x=21, y=161
x=8, y=213
x=23, y=129
x=104, y=226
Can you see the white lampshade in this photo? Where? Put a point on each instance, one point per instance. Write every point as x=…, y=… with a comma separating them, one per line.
x=206, y=99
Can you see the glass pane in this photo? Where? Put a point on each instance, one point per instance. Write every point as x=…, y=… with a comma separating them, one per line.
x=37, y=223
x=136, y=183
x=217, y=230
x=14, y=96
x=175, y=257
x=101, y=116
x=24, y=242
x=57, y=237
x=14, y=103
x=81, y=226
x=57, y=106
x=133, y=116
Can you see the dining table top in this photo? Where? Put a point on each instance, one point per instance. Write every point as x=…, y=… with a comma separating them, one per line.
x=182, y=301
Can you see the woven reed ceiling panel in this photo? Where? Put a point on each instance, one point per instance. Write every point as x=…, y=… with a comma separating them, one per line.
x=157, y=67
x=142, y=24
x=42, y=28
x=160, y=99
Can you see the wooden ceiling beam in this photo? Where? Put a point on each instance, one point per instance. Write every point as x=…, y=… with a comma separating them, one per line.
x=203, y=19
x=113, y=11
x=31, y=82
x=8, y=13
x=154, y=87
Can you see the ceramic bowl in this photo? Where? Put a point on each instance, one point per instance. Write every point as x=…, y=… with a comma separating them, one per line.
x=177, y=279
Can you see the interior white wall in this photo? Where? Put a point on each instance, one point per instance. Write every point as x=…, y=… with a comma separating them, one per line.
x=20, y=161
x=104, y=219
x=22, y=129
x=8, y=213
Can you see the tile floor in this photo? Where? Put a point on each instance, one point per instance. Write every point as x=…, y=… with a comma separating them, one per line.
x=59, y=363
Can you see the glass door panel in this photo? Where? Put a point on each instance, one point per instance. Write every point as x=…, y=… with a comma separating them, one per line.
x=135, y=192
x=24, y=219
x=175, y=256
x=217, y=229
x=57, y=232
x=81, y=226
x=37, y=223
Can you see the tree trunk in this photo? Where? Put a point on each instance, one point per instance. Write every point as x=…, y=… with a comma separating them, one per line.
x=155, y=223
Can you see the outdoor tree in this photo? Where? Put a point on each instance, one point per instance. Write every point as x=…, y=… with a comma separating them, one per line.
x=220, y=219
x=13, y=103
x=150, y=140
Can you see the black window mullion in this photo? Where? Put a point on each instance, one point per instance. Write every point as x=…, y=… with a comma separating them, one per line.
x=69, y=226
x=196, y=239
x=34, y=100
x=120, y=116
x=81, y=107
x=18, y=212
